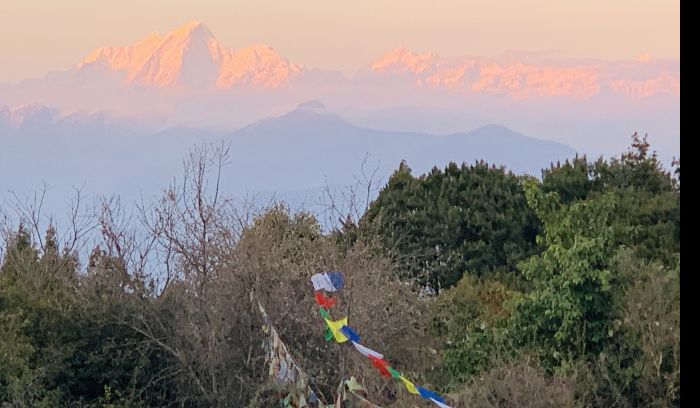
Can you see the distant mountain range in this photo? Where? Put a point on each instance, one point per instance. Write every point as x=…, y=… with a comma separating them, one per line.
x=299, y=151
x=308, y=143
x=188, y=78
x=190, y=57
x=121, y=120
x=190, y=62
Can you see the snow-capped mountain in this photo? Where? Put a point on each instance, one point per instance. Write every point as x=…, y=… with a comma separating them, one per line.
x=514, y=76
x=187, y=77
x=191, y=56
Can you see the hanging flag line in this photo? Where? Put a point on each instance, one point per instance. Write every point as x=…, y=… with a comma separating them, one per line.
x=341, y=332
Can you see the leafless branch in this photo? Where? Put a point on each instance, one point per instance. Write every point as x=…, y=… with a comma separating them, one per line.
x=349, y=204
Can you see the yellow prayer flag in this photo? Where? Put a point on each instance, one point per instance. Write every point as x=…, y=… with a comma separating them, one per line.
x=409, y=385
x=335, y=329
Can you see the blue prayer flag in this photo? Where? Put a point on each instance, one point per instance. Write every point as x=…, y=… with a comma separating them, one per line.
x=427, y=394
x=350, y=334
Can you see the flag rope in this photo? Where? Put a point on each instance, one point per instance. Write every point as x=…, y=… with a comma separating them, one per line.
x=341, y=332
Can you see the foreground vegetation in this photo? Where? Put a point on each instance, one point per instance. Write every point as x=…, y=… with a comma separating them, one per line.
x=495, y=289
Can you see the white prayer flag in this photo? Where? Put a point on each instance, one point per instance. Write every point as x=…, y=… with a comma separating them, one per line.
x=328, y=281
x=322, y=282
x=440, y=404
x=367, y=352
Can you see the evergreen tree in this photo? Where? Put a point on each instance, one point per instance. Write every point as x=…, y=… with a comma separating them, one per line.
x=571, y=181
x=465, y=219
x=648, y=213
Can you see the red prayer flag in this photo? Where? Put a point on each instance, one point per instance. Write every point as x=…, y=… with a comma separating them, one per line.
x=381, y=365
x=323, y=301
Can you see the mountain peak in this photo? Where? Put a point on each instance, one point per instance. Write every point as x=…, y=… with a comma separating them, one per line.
x=401, y=59
x=192, y=25
x=190, y=56
x=192, y=29
x=312, y=104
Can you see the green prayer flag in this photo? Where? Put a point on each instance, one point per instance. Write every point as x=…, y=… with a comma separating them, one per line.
x=394, y=374
x=328, y=334
x=324, y=313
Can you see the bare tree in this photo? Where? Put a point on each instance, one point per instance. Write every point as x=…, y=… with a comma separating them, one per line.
x=349, y=204
x=187, y=219
x=193, y=230
x=76, y=227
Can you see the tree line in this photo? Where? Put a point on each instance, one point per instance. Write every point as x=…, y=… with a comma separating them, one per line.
x=493, y=288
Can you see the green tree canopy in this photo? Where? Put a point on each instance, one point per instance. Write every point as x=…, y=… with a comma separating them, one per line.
x=465, y=219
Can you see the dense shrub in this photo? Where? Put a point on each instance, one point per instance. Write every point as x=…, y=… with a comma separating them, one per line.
x=517, y=384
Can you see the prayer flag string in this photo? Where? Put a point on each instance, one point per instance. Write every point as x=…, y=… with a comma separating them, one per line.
x=341, y=332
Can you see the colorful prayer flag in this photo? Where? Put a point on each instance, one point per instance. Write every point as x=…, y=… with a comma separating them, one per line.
x=350, y=334
x=367, y=352
x=427, y=394
x=338, y=329
x=409, y=385
x=394, y=374
x=328, y=281
x=328, y=334
x=381, y=366
x=323, y=301
x=324, y=313
x=440, y=404
x=335, y=329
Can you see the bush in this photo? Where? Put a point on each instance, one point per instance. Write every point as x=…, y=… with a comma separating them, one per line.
x=282, y=250
x=519, y=384
x=569, y=312
x=472, y=318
